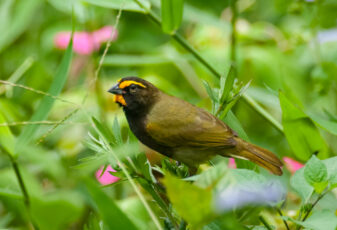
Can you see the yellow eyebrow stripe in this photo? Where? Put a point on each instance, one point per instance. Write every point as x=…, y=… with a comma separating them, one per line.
x=124, y=84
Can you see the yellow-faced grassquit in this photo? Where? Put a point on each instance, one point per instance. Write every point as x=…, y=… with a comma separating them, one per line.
x=182, y=131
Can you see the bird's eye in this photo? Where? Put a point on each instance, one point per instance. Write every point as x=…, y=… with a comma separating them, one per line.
x=133, y=88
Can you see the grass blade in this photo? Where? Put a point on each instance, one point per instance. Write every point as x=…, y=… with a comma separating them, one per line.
x=171, y=14
x=113, y=217
x=20, y=20
x=47, y=102
x=229, y=83
x=6, y=138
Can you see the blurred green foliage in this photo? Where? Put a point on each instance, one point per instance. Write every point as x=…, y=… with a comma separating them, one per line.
x=281, y=96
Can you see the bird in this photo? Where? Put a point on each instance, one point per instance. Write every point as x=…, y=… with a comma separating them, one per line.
x=182, y=131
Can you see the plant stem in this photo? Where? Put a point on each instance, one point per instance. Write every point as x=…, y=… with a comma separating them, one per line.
x=311, y=208
x=281, y=214
x=157, y=190
x=250, y=101
x=260, y=110
x=26, y=198
x=313, y=205
x=130, y=179
x=233, y=33
x=265, y=223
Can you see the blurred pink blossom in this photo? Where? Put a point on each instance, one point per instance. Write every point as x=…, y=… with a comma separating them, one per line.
x=85, y=42
x=106, y=178
x=103, y=35
x=231, y=163
x=292, y=165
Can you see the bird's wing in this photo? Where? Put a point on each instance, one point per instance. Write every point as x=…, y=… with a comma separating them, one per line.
x=180, y=124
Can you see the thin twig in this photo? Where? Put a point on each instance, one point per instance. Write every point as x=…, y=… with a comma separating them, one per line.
x=313, y=205
x=233, y=33
x=26, y=198
x=311, y=208
x=260, y=110
x=279, y=211
x=265, y=223
x=159, y=190
x=56, y=125
x=19, y=123
x=108, y=44
x=87, y=93
x=250, y=101
x=19, y=72
x=37, y=91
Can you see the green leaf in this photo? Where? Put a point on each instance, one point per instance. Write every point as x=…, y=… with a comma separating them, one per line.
x=229, y=221
x=241, y=176
x=21, y=16
x=47, y=102
x=331, y=116
x=104, y=131
x=171, y=14
x=210, y=91
x=8, y=193
x=261, y=228
x=316, y=174
x=331, y=165
x=117, y=132
x=300, y=185
x=92, y=223
x=245, y=176
x=128, y=5
x=330, y=126
x=113, y=217
x=55, y=211
x=229, y=84
x=143, y=165
x=233, y=122
x=6, y=220
x=210, y=177
x=232, y=101
x=6, y=137
x=193, y=204
x=301, y=133
x=321, y=220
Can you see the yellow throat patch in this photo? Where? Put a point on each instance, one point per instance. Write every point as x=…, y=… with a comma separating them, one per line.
x=119, y=99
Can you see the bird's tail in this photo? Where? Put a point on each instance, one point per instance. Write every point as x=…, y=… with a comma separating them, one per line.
x=258, y=155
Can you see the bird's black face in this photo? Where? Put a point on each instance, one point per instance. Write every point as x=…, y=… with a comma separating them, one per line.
x=134, y=94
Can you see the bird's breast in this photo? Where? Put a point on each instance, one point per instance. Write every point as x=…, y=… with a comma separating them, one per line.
x=138, y=125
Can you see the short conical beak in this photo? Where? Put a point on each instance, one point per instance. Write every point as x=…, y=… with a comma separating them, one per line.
x=115, y=90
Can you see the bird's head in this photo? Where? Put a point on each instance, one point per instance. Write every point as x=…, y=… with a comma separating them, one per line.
x=134, y=94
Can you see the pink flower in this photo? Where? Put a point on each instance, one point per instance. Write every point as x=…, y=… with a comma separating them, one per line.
x=106, y=178
x=231, y=163
x=103, y=35
x=292, y=165
x=85, y=42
